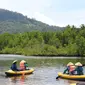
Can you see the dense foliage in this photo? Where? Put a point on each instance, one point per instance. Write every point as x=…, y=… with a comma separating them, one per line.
x=36, y=38
x=13, y=22
x=70, y=41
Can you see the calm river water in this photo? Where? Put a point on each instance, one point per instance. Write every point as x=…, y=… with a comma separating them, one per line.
x=45, y=73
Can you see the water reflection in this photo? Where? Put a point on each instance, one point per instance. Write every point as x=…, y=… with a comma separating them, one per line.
x=71, y=82
x=17, y=80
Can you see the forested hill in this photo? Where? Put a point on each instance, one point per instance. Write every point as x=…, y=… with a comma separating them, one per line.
x=13, y=22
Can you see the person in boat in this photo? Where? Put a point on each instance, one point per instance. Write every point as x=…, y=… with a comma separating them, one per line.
x=26, y=66
x=70, y=69
x=23, y=65
x=79, y=68
x=14, y=66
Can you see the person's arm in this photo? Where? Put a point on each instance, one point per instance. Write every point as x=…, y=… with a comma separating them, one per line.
x=65, y=70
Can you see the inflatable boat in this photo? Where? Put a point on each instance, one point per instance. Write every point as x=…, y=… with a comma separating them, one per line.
x=15, y=73
x=71, y=77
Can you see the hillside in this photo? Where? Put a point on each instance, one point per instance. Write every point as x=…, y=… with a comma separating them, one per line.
x=13, y=22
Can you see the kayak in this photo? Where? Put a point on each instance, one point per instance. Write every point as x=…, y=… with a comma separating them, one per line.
x=73, y=84
x=72, y=77
x=15, y=73
x=79, y=83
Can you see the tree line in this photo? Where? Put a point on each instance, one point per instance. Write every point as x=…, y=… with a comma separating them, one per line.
x=69, y=42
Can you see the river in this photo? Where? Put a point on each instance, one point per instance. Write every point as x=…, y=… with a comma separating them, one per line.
x=45, y=73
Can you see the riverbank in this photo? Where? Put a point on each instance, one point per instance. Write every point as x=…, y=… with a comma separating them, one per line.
x=23, y=56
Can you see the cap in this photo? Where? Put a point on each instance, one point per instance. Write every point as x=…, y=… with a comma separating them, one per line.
x=23, y=61
x=70, y=63
x=14, y=61
x=78, y=64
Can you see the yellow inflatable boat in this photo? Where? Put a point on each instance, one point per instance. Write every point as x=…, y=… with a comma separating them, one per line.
x=72, y=77
x=15, y=73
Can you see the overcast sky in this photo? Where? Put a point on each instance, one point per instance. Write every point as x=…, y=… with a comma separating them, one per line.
x=52, y=12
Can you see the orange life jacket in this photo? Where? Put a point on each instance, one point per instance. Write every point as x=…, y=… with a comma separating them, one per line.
x=22, y=66
x=72, y=68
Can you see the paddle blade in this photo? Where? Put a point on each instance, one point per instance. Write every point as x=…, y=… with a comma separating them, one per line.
x=57, y=77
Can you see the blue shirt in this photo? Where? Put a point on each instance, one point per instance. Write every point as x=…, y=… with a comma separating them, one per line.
x=14, y=67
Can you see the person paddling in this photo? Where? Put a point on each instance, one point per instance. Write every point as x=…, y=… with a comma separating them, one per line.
x=26, y=66
x=70, y=69
x=79, y=68
x=22, y=66
x=14, y=66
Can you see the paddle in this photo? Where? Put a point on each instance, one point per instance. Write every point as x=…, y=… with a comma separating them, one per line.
x=23, y=75
x=83, y=64
x=57, y=77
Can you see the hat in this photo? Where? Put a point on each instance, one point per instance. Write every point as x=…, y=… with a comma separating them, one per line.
x=14, y=61
x=70, y=63
x=23, y=61
x=78, y=64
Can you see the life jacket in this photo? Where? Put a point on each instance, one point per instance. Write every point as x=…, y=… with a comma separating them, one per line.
x=71, y=68
x=22, y=66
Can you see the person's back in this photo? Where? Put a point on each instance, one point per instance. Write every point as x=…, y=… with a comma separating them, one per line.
x=79, y=68
x=14, y=66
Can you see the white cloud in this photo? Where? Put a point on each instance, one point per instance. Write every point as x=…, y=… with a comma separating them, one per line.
x=41, y=17
x=62, y=18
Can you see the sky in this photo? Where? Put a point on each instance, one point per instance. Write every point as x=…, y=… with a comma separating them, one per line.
x=52, y=12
